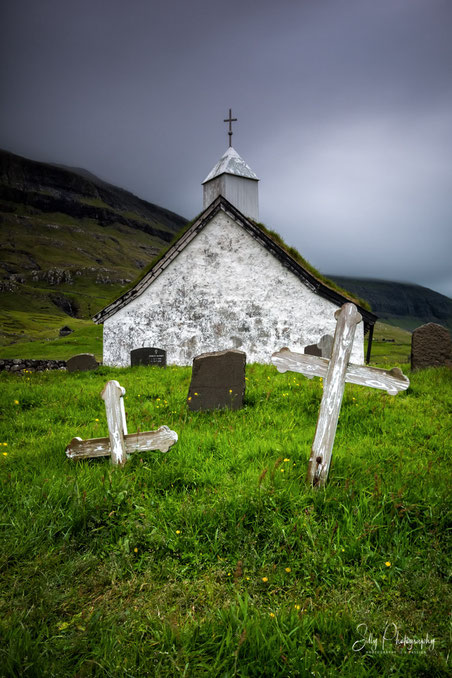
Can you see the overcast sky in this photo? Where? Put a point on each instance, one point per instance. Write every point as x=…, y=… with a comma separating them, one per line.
x=344, y=112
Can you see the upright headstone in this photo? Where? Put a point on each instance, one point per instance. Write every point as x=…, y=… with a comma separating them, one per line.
x=431, y=346
x=218, y=380
x=148, y=356
x=82, y=363
x=313, y=349
x=323, y=347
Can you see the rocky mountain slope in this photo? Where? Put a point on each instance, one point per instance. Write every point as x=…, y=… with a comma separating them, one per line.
x=70, y=241
x=401, y=304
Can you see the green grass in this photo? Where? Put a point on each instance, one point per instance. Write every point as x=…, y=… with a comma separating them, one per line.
x=386, y=353
x=215, y=559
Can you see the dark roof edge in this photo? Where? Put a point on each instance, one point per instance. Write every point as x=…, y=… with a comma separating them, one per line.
x=231, y=174
x=220, y=203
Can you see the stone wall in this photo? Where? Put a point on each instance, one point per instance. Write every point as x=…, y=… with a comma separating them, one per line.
x=20, y=364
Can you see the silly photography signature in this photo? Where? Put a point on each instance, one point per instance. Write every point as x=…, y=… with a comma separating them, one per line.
x=390, y=641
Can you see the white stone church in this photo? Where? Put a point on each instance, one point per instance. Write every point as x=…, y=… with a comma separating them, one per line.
x=225, y=283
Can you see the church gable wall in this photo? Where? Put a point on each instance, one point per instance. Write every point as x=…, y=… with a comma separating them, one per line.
x=224, y=290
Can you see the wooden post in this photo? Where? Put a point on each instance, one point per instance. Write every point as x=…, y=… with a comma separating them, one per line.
x=333, y=390
x=113, y=395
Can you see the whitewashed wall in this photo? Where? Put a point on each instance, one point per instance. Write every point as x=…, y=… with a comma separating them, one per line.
x=223, y=291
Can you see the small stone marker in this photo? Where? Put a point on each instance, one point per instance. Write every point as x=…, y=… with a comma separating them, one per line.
x=65, y=331
x=120, y=443
x=431, y=346
x=218, y=380
x=82, y=363
x=336, y=372
x=148, y=356
x=323, y=348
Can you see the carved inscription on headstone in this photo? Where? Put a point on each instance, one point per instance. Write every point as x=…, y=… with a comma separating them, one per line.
x=431, y=346
x=148, y=356
x=218, y=380
x=82, y=363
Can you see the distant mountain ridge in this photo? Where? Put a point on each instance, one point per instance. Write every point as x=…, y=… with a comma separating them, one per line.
x=403, y=304
x=75, y=191
x=69, y=240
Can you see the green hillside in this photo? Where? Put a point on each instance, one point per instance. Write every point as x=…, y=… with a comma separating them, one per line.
x=70, y=243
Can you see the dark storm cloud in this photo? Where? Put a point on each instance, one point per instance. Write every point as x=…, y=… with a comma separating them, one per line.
x=343, y=106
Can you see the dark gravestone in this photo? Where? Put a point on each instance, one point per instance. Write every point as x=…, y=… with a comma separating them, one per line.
x=313, y=349
x=431, y=346
x=65, y=331
x=323, y=348
x=217, y=380
x=148, y=356
x=82, y=363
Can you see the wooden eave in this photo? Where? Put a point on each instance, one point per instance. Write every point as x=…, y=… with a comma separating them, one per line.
x=256, y=232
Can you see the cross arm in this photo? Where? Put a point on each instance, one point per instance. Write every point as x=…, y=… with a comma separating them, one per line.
x=310, y=366
x=161, y=439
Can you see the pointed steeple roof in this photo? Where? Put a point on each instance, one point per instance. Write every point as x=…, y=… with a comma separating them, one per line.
x=231, y=163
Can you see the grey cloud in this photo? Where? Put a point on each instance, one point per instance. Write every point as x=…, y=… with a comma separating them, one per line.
x=343, y=106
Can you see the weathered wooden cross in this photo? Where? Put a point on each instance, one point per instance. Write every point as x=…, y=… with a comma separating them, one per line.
x=336, y=371
x=120, y=443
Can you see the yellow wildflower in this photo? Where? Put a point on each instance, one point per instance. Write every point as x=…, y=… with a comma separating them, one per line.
x=297, y=607
x=265, y=579
x=286, y=459
x=16, y=402
x=135, y=550
x=5, y=444
x=5, y=454
x=288, y=569
x=177, y=531
x=272, y=614
x=387, y=563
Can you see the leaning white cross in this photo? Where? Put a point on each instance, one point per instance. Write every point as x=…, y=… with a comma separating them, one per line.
x=120, y=443
x=336, y=371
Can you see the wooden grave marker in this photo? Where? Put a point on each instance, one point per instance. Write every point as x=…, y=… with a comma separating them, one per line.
x=120, y=443
x=336, y=371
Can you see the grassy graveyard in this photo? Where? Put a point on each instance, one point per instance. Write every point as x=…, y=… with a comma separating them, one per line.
x=215, y=559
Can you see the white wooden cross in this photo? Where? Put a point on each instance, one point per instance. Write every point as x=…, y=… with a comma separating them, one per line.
x=120, y=443
x=336, y=371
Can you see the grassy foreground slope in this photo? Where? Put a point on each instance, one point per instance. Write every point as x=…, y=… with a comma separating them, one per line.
x=215, y=559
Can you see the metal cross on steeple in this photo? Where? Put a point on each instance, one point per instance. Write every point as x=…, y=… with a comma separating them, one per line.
x=230, y=120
